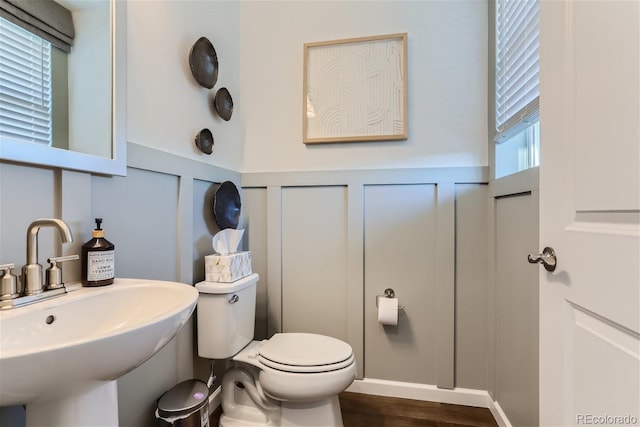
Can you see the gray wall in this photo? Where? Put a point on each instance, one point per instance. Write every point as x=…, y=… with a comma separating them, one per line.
x=471, y=286
x=513, y=296
x=325, y=244
x=158, y=216
x=335, y=240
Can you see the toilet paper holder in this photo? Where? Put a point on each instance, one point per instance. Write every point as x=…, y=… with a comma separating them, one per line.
x=389, y=293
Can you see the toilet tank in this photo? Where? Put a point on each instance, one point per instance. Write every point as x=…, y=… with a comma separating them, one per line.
x=225, y=316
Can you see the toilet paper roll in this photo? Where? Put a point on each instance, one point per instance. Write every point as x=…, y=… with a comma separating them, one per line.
x=388, y=311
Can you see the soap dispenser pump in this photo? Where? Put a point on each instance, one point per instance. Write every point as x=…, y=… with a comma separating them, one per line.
x=98, y=259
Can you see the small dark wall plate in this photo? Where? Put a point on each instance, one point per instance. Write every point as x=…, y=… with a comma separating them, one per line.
x=204, y=141
x=223, y=104
x=203, y=62
x=226, y=205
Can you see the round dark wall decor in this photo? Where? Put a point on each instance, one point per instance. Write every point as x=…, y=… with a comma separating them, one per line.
x=223, y=104
x=204, y=141
x=226, y=205
x=203, y=62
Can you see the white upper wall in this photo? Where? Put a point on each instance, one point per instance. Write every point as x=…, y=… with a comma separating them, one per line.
x=447, y=56
x=166, y=108
x=260, y=49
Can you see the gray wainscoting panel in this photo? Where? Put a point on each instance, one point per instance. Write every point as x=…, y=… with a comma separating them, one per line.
x=27, y=193
x=409, y=219
x=400, y=252
x=471, y=286
x=204, y=225
x=517, y=308
x=314, y=260
x=139, y=390
x=274, y=260
x=74, y=186
x=355, y=273
x=445, y=283
x=254, y=220
x=139, y=217
x=186, y=198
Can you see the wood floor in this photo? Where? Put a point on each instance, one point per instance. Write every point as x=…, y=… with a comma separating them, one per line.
x=364, y=410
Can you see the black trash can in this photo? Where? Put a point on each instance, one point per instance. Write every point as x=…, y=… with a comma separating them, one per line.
x=184, y=405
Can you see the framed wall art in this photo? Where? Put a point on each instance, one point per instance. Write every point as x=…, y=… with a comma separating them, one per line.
x=355, y=90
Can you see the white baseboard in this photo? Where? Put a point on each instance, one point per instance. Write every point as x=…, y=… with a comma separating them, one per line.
x=431, y=393
x=499, y=415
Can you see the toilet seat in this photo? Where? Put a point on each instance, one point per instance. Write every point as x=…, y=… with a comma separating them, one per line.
x=311, y=382
x=306, y=369
x=305, y=353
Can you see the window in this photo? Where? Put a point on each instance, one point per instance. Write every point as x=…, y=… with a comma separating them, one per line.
x=25, y=85
x=517, y=85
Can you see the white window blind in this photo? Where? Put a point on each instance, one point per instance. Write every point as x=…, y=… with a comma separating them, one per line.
x=25, y=85
x=517, y=66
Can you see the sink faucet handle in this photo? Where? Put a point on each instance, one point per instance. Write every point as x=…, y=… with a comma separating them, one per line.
x=53, y=274
x=8, y=282
x=58, y=259
x=6, y=268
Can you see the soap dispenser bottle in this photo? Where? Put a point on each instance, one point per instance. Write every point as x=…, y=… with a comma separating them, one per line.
x=98, y=259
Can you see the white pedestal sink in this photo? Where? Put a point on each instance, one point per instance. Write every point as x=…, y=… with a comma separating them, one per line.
x=61, y=357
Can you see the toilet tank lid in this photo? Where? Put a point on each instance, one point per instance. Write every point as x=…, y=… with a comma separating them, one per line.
x=226, y=288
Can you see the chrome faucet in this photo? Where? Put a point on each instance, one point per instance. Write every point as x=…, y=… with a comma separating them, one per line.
x=32, y=271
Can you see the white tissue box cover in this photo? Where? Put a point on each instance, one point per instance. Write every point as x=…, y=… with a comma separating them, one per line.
x=227, y=268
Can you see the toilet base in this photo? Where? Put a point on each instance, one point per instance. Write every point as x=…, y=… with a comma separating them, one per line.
x=232, y=422
x=325, y=412
x=245, y=413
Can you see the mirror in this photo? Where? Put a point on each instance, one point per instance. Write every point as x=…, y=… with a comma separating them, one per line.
x=94, y=130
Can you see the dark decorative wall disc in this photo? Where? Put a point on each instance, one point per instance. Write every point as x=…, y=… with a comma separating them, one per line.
x=226, y=205
x=203, y=61
x=204, y=141
x=223, y=103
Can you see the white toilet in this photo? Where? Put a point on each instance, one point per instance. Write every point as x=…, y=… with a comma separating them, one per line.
x=292, y=379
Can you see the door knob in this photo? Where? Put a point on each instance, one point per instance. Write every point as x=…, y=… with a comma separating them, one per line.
x=547, y=258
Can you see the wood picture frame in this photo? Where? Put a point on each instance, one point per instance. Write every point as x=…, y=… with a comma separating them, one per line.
x=355, y=90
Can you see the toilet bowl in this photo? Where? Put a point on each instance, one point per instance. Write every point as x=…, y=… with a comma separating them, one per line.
x=291, y=379
x=286, y=385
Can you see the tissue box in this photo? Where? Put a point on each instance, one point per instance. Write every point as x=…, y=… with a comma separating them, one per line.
x=227, y=268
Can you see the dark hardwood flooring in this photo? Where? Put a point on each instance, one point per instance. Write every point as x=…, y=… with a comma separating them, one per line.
x=365, y=410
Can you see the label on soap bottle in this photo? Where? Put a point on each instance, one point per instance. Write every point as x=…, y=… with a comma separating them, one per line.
x=100, y=265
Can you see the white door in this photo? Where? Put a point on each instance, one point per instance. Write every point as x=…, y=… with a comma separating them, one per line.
x=589, y=212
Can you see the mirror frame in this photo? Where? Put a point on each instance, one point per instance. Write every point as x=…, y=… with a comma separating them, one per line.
x=117, y=165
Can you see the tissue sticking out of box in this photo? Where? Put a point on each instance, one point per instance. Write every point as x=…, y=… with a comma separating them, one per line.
x=227, y=265
x=227, y=241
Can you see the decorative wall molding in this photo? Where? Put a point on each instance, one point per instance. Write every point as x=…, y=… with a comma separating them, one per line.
x=142, y=157
x=458, y=175
x=356, y=182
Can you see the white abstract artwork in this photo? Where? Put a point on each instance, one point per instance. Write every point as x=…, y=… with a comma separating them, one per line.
x=355, y=90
